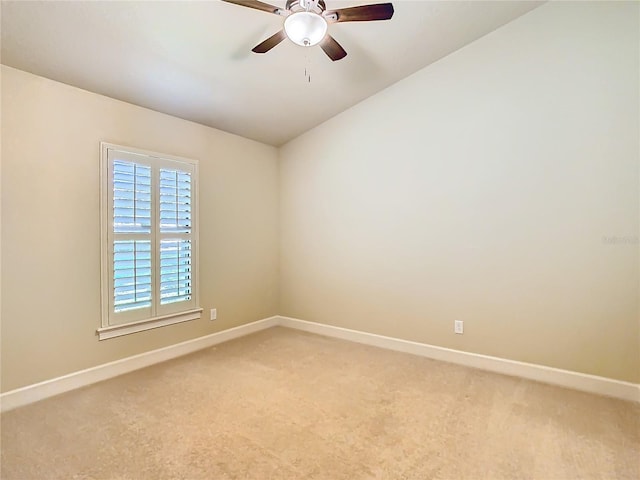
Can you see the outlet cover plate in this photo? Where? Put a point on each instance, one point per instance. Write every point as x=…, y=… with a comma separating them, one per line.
x=458, y=327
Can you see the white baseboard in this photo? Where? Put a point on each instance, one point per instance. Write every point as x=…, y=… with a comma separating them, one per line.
x=553, y=376
x=49, y=388
x=565, y=378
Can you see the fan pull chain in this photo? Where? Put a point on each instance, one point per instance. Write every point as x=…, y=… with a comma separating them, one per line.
x=307, y=70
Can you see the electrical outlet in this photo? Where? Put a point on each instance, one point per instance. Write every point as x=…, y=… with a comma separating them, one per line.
x=458, y=326
x=214, y=314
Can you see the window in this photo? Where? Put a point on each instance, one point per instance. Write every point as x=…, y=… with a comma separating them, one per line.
x=149, y=240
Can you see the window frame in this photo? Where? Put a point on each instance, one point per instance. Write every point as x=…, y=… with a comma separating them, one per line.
x=123, y=323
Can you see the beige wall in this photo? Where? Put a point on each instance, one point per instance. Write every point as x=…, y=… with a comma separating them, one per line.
x=51, y=231
x=480, y=189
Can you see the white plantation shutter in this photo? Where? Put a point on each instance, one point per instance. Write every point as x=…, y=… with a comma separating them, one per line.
x=149, y=254
x=175, y=271
x=131, y=275
x=131, y=215
x=175, y=201
x=175, y=234
x=131, y=197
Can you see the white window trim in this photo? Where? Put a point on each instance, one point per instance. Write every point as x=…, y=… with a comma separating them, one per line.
x=106, y=329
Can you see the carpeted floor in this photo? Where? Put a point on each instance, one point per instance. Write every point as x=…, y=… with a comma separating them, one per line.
x=282, y=404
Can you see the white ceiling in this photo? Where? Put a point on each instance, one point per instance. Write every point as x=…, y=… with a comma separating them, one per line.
x=193, y=60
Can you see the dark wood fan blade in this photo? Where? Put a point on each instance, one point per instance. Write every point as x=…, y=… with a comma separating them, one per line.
x=363, y=13
x=269, y=43
x=332, y=48
x=265, y=7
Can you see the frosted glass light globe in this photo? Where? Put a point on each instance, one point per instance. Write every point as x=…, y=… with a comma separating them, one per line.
x=305, y=28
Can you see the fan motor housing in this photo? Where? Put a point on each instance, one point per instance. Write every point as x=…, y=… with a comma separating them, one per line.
x=294, y=6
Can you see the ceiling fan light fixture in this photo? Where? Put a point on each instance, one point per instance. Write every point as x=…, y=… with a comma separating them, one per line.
x=305, y=28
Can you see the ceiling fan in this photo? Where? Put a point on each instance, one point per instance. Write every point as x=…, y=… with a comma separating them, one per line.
x=306, y=22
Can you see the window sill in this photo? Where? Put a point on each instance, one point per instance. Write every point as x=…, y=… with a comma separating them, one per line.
x=105, y=333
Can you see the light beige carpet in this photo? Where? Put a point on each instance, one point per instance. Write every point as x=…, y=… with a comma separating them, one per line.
x=283, y=404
